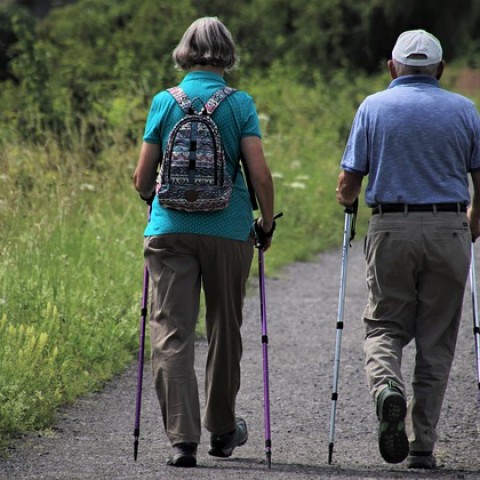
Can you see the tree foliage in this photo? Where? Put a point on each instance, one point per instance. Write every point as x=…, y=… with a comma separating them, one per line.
x=93, y=65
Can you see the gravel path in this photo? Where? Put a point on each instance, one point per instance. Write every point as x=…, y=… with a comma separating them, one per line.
x=94, y=438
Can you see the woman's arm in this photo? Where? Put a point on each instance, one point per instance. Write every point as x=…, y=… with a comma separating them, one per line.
x=146, y=172
x=261, y=178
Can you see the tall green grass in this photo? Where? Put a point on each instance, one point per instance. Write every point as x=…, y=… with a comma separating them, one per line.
x=70, y=280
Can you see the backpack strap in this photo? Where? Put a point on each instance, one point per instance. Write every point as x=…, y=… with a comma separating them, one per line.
x=217, y=98
x=181, y=98
x=213, y=102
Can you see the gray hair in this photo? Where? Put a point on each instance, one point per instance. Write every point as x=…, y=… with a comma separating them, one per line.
x=206, y=42
x=402, y=69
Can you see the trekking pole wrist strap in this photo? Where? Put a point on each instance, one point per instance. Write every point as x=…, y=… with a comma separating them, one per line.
x=269, y=234
x=260, y=235
x=274, y=225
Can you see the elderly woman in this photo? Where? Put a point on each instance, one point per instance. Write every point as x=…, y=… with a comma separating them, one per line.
x=185, y=251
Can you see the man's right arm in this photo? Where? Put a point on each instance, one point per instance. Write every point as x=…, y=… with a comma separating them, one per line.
x=348, y=188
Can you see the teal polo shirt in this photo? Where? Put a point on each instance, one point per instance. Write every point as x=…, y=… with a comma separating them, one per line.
x=236, y=118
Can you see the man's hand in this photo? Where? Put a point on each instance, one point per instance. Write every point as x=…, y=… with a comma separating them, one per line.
x=474, y=221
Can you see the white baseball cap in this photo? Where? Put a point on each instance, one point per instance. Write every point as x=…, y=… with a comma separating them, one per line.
x=417, y=48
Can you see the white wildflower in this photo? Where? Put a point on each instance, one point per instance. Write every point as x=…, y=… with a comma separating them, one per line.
x=296, y=164
x=298, y=185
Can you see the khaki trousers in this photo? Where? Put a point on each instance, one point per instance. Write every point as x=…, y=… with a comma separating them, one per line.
x=417, y=267
x=179, y=265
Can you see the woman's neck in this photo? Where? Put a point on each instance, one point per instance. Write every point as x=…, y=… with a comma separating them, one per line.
x=208, y=68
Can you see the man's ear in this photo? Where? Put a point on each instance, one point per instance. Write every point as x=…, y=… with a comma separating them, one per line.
x=441, y=69
x=392, y=69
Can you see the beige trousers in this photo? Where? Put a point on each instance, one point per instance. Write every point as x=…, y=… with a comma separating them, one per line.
x=417, y=267
x=179, y=266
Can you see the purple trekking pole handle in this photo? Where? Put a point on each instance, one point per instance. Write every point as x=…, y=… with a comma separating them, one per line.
x=141, y=354
x=266, y=388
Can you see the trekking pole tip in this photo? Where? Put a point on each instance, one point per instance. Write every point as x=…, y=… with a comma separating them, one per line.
x=135, y=449
x=330, y=453
x=269, y=459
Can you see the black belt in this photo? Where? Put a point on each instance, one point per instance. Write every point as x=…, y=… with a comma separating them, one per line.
x=428, y=207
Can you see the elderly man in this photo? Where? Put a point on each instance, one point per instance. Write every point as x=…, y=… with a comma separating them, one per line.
x=417, y=143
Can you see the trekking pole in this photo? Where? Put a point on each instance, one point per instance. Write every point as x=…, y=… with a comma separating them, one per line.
x=141, y=353
x=348, y=236
x=260, y=244
x=476, y=324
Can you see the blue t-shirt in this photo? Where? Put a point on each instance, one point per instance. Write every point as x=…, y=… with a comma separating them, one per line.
x=416, y=142
x=236, y=118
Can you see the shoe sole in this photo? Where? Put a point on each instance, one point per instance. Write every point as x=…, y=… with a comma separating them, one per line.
x=425, y=463
x=225, y=452
x=392, y=441
x=185, y=461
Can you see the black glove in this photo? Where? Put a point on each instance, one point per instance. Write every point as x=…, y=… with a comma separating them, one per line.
x=260, y=235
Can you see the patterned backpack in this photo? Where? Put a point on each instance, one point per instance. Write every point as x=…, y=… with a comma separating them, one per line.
x=193, y=174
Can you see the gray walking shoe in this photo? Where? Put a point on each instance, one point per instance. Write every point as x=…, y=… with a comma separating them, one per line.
x=183, y=455
x=223, y=445
x=423, y=460
x=392, y=438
